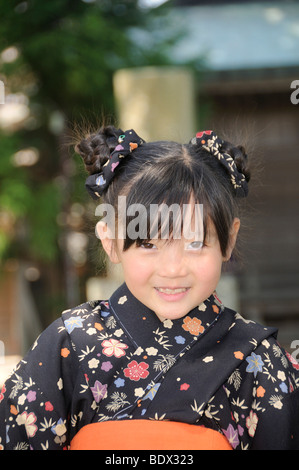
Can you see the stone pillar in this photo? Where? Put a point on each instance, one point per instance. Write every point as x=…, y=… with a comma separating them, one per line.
x=157, y=102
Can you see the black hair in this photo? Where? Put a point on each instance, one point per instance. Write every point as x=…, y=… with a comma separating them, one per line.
x=166, y=172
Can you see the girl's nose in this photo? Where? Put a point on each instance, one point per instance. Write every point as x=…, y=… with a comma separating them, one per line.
x=172, y=262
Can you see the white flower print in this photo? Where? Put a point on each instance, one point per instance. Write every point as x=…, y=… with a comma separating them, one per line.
x=281, y=375
x=151, y=351
x=167, y=323
x=113, y=347
x=28, y=420
x=138, y=351
x=93, y=363
x=91, y=331
x=22, y=399
x=118, y=332
x=208, y=359
x=266, y=344
x=60, y=384
x=139, y=392
x=202, y=307
x=251, y=423
x=122, y=299
x=276, y=401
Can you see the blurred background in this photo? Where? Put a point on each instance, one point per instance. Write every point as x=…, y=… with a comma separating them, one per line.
x=167, y=69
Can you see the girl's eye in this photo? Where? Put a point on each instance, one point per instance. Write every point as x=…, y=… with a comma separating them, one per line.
x=148, y=246
x=194, y=245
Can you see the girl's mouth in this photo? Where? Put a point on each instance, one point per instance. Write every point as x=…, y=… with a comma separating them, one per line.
x=168, y=290
x=172, y=294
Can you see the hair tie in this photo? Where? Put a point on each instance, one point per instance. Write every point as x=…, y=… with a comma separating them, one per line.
x=98, y=182
x=209, y=141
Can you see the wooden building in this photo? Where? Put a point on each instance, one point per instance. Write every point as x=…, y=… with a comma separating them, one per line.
x=250, y=51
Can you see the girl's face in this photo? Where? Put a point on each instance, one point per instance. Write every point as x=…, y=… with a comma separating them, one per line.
x=172, y=277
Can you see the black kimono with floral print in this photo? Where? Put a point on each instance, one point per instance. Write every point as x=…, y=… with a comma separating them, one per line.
x=115, y=360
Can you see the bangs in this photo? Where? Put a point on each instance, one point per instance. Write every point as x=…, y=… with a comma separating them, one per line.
x=166, y=208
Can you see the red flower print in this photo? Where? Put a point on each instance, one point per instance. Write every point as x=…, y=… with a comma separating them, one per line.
x=136, y=371
x=49, y=406
x=2, y=393
x=184, y=386
x=293, y=361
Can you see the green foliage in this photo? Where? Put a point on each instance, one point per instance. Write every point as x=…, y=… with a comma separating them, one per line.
x=68, y=51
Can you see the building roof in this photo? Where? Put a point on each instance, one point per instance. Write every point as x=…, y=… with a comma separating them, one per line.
x=238, y=36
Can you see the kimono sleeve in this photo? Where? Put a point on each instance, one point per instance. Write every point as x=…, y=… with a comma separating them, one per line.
x=34, y=401
x=279, y=430
x=264, y=397
x=276, y=401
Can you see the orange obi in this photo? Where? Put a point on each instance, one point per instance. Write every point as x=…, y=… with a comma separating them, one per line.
x=141, y=434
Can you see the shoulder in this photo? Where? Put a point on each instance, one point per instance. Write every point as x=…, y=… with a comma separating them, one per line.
x=85, y=315
x=84, y=323
x=265, y=350
x=58, y=341
x=247, y=331
x=265, y=363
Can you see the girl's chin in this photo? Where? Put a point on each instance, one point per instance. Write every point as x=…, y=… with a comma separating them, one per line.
x=162, y=315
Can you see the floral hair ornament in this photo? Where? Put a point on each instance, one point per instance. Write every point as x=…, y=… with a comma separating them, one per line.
x=209, y=141
x=127, y=143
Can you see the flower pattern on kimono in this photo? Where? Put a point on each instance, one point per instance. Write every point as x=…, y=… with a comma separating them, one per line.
x=28, y=420
x=72, y=323
x=261, y=384
x=193, y=325
x=99, y=391
x=114, y=347
x=293, y=361
x=136, y=371
x=255, y=364
x=232, y=435
x=59, y=428
x=3, y=390
x=251, y=423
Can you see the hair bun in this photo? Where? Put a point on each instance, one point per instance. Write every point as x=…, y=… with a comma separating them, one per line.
x=95, y=149
x=232, y=158
x=239, y=155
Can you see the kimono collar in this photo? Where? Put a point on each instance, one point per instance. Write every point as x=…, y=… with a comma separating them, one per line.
x=155, y=347
x=139, y=322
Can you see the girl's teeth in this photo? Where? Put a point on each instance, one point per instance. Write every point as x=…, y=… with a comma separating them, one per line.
x=172, y=291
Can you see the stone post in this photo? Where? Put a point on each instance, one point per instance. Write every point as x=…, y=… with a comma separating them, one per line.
x=158, y=102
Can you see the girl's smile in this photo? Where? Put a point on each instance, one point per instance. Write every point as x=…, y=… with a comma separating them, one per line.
x=172, y=294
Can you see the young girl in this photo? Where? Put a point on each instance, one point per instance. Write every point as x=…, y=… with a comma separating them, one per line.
x=162, y=364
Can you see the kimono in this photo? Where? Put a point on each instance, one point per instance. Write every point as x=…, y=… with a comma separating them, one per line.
x=108, y=365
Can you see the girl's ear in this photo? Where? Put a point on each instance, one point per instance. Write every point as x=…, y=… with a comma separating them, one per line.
x=108, y=243
x=233, y=238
